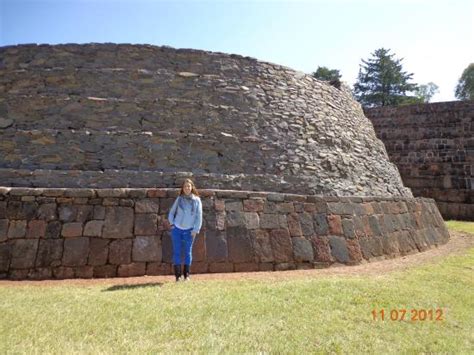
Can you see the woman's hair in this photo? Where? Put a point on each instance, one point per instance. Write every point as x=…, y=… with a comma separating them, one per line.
x=193, y=188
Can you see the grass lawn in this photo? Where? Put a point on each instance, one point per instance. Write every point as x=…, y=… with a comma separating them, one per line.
x=460, y=226
x=315, y=314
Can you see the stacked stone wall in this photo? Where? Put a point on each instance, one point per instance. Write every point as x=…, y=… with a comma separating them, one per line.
x=433, y=148
x=85, y=233
x=106, y=115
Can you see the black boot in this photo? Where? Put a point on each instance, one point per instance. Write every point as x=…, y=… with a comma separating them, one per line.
x=186, y=273
x=177, y=272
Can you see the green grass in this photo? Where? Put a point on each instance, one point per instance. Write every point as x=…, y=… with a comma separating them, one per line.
x=461, y=226
x=312, y=314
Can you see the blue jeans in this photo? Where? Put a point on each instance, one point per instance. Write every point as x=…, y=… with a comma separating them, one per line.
x=182, y=241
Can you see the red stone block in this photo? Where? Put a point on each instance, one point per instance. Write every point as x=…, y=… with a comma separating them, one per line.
x=36, y=229
x=355, y=253
x=254, y=205
x=281, y=245
x=199, y=247
x=335, y=225
x=294, y=225
x=206, y=193
x=366, y=224
x=219, y=205
x=322, y=251
x=155, y=193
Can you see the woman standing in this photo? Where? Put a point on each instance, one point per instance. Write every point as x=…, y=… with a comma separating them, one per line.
x=185, y=218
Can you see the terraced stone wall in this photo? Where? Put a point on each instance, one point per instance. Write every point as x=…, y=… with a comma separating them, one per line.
x=107, y=115
x=433, y=148
x=94, y=233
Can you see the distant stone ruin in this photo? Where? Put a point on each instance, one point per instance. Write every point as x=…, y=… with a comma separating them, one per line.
x=433, y=148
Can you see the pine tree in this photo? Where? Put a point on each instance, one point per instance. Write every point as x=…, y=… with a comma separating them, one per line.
x=330, y=75
x=382, y=82
x=465, y=86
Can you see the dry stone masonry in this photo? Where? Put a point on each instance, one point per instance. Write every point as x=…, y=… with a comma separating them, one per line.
x=433, y=147
x=85, y=233
x=94, y=140
x=106, y=115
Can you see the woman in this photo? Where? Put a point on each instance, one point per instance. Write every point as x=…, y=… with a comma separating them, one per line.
x=185, y=218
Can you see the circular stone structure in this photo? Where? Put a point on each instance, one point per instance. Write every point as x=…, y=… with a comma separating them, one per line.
x=94, y=136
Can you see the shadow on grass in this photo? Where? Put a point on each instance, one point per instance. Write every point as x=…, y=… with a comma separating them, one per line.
x=132, y=286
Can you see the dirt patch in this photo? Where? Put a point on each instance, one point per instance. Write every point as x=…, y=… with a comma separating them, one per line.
x=459, y=243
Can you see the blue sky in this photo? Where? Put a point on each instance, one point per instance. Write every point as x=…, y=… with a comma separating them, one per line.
x=435, y=38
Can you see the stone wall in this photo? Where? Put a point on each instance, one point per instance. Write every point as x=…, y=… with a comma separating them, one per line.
x=85, y=233
x=433, y=148
x=107, y=115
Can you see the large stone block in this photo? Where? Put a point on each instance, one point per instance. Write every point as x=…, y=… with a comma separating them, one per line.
x=371, y=247
x=253, y=205
x=120, y=251
x=3, y=209
x=118, y=222
x=3, y=229
x=50, y=252
x=146, y=248
x=339, y=249
x=322, y=250
x=23, y=253
x=148, y=205
x=302, y=249
x=47, y=212
x=216, y=246
x=199, y=247
x=93, y=228
x=5, y=256
x=146, y=224
x=234, y=206
x=252, y=220
x=294, y=225
x=17, y=229
x=72, y=229
x=36, y=229
x=53, y=230
x=390, y=244
x=262, y=245
x=240, y=245
x=335, y=224
x=281, y=245
x=99, y=251
x=306, y=222
x=355, y=254
x=84, y=213
x=167, y=247
x=67, y=213
x=76, y=251
x=269, y=221
x=321, y=226
x=235, y=218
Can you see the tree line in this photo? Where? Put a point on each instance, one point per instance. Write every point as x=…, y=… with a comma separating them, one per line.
x=383, y=82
